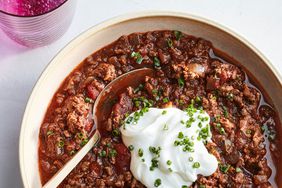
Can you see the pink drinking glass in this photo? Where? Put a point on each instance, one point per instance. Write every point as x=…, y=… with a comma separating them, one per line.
x=34, y=23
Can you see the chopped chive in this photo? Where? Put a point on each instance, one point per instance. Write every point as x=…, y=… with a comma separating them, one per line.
x=177, y=34
x=222, y=130
x=109, y=145
x=155, y=91
x=137, y=56
x=84, y=141
x=49, y=133
x=272, y=135
x=264, y=128
x=230, y=96
x=184, y=186
x=157, y=182
x=196, y=165
x=165, y=100
x=169, y=42
x=116, y=133
x=224, y=168
x=168, y=162
x=165, y=127
x=112, y=153
x=198, y=99
x=103, y=153
x=72, y=152
x=80, y=135
x=157, y=63
x=225, y=112
x=61, y=144
x=180, y=135
x=164, y=112
x=129, y=119
x=139, y=88
x=200, y=125
x=87, y=100
x=190, y=159
x=176, y=143
x=238, y=170
x=131, y=147
x=181, y=82
x=140, y=152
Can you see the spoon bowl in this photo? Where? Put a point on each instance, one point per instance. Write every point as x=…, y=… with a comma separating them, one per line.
x=104, y=102
x=101, y=109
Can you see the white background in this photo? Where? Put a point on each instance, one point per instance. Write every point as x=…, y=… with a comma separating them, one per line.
x=259, y=21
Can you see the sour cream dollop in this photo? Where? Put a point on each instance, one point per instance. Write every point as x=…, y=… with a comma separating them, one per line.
x=167, y=146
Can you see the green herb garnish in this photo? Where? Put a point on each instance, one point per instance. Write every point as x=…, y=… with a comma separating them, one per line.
x=87, y=100
x=157, y=182
x=165, y=100
x=230, y=96
x=157, y=63
x=165, y=127
x=49, y=133
x=61, y=144
x=139, y=88
x=84, y=141
x=137, y=56
x=178, y=35
x=131, y=147
x=180, y=135
x=72, y=152
x=140, y=152
x=224, y=168
x=196, y=165
x=225, y=112
x=116, y=132
x=168, y=162
x=103, y=153
x=222, y=130
x=112, y=153
x=238, y=170
x=169, y=42
x=181, y=82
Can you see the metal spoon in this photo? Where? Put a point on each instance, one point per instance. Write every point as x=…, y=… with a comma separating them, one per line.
x=101, y=109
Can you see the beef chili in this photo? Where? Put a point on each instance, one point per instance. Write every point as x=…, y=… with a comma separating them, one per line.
x=189, y=70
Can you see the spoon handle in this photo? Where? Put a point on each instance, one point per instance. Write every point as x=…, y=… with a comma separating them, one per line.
x=69, y=166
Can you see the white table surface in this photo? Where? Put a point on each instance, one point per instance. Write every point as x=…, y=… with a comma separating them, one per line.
x=259, y=21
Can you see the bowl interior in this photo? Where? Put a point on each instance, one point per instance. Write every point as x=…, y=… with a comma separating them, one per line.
x=107, y=32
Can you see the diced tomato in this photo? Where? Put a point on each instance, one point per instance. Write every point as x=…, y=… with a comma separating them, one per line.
x=92, y=92
x=95, y=167
x=223, y=77
x=122, y=158
x=212, y=83
x=88, y=127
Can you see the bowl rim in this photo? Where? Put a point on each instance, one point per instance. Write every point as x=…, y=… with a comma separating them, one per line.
x=112, y=21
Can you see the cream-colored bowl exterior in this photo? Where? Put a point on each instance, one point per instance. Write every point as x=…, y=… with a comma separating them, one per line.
x=100, y=35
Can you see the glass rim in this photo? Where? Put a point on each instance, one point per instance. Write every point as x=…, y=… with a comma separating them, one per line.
x=32, y=16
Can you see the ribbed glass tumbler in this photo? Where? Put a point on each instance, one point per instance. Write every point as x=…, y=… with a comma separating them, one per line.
x=34, y=23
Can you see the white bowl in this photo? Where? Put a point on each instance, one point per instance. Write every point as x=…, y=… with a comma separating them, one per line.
x=100, y=35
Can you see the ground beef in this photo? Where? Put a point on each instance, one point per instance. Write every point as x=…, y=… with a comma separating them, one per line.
x=188, y=70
